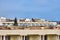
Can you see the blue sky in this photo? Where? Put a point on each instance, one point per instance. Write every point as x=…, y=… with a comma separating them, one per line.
x=46, y=9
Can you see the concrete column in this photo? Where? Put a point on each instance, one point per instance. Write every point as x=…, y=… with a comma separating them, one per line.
x=58, y=37
x=40, y=37
x=43, y=37
x=4, y=37
x=24, y=37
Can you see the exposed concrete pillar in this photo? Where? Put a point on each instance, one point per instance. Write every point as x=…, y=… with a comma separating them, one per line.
x=43, y=37
x=24, y=37
x=4, y=37
x=40, y=37
x=58, y=37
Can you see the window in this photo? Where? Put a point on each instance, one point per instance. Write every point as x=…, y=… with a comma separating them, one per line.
x=33, y=24
x=37, y=24
x=45, y=37
x=6, y=37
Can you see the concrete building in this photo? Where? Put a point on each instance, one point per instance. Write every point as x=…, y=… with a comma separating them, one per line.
x=29, y=33
x=28, y=22
x=30, y=30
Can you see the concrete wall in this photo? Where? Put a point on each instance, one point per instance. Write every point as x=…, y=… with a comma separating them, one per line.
x=29, y=32
x=13, y=37
x=33, y=33
x=33, y=37
x=52, y=37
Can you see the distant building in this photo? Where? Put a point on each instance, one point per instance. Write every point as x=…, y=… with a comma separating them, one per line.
x=26, y=22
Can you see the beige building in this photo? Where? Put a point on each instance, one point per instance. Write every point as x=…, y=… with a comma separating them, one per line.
x=29, y=30
x=29, y=33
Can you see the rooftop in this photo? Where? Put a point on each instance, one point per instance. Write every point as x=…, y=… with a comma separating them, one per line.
x=27, y=28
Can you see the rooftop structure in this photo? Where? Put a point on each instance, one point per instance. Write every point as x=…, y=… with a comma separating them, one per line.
x=27, y=22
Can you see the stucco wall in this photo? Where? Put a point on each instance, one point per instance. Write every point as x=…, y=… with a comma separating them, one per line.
x=29, y=32
x=13, y=37
x=52, y=37
x=34, y=37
